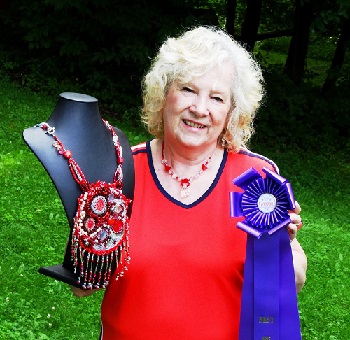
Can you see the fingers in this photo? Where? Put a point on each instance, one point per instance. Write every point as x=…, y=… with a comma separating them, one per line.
x=292, y=231
x=295, y=218
x=297, y=209
x=296, y=222
x=294, y=227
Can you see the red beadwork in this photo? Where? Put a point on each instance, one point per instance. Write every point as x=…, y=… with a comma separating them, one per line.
x=117, y=225
x=101, y=224
x=98, y=205
x=67, y=154
x=89, y=223
x=167, y=168
x=184, y=182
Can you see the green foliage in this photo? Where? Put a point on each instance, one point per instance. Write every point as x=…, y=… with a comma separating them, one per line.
x=276, y=15
x=275, y=45
x=113, y=42
x=312, y=116
x=302, y=115
x=104, y=46
x=330, y=15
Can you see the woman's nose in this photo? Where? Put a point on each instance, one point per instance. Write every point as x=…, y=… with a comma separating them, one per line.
x=199, y=106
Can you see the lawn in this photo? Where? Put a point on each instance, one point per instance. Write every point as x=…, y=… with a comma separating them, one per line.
x=33, y=233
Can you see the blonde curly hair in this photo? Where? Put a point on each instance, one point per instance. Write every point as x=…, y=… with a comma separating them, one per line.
x=193, y=54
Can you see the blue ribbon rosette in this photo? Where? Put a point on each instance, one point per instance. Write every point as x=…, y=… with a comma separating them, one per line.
x=269, y=308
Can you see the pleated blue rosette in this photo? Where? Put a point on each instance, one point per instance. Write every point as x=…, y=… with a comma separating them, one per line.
x=269, y=308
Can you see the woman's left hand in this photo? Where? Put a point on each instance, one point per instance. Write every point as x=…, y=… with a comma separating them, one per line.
x=296, y=221
x=299, y=257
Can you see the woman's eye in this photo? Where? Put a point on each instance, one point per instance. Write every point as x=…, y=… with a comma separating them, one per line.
x=187, y=89
x=218, y=99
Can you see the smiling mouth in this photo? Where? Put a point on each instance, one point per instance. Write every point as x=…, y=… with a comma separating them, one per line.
x=193, y=124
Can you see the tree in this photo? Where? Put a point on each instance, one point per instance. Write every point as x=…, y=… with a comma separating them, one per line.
x=296, y=58
x=231, y=6
x=338, y=59
x=251, y=22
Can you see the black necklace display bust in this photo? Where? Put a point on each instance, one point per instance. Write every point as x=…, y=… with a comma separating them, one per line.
x=79, y=126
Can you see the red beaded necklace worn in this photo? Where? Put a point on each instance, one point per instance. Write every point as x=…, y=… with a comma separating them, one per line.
x=185, y=182
x=101, y=224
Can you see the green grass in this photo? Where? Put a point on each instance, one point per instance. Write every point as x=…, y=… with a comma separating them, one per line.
x=33, y=232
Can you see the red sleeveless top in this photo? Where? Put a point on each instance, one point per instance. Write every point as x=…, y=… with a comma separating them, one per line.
x=186, y=271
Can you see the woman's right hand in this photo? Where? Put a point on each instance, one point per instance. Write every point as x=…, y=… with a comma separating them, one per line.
x=82, y=292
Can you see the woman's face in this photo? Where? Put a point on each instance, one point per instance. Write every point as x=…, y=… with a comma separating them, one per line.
x=195, y=113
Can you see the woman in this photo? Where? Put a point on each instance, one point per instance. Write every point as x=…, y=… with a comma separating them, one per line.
x=187, y=256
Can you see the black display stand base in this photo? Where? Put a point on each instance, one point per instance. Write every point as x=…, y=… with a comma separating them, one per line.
x=60, y=273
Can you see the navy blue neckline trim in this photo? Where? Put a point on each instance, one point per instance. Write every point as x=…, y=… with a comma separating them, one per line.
x=172, y=199
x=137, y=151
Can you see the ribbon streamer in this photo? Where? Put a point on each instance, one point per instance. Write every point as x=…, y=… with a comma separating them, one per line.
x=269, y=309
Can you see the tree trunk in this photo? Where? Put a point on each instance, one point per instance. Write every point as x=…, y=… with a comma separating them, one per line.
x=338, y=58
x=295, y=63
x=231, y=6
x=251, y=23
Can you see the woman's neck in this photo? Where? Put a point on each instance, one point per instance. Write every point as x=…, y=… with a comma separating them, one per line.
x=186, y=156
x=186, y=166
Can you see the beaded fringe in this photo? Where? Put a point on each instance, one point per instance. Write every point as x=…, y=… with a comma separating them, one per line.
x=95, y=271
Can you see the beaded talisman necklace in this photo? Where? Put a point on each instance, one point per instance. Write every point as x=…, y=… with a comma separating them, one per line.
x=184, y=181
x=101, y=225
